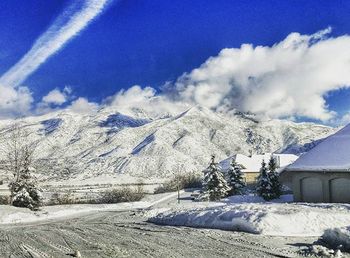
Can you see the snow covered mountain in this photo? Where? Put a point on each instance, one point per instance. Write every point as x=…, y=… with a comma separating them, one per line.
x=108, y=144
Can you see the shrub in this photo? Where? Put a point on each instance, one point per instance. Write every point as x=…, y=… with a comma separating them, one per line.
x=61, y=199
x=4, y=200
x=191, y=180
x=124, y=194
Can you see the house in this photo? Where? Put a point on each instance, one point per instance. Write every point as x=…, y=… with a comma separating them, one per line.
x=323, y=173
x=251, y=164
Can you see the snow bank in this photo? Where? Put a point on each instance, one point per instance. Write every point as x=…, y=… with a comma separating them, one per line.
x=337, y=237
x=277, y=219
x=13, y=215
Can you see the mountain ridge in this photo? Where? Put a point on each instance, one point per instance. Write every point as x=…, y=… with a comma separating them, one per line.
x=73, y=146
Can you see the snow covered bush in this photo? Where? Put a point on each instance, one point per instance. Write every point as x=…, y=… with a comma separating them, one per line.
x=321, y=251
x=214, y=183
x=337, y=238
x=18, y=163
x=185, y=181
x=125, y=194
x=62, y=199
x=4, y=200
x=25, y=191
x=235, y=178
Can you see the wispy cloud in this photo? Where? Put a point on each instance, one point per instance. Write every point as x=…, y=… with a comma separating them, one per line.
x=74, y=19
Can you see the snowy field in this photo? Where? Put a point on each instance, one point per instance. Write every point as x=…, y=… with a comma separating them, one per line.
x=251, y=214
x=15, y=215
x=86, y=192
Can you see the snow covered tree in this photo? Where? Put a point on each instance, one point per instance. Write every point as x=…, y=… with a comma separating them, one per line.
x=274, y=179
x=264, y=186
x=214, y=182
x=24, y=190
x=272, y=164
x=19, y=149
x=235, y=178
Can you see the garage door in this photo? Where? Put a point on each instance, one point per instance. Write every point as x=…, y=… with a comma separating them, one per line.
x=311, y=190
x=340, y=190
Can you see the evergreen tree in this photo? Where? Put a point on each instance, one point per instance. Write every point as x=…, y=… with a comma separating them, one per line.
x=264, y=186
x=235, y=178
x=214, y=182
x=25, y=191
x=274, y=179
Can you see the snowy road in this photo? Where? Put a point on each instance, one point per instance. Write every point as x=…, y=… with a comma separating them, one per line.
x=126, y=234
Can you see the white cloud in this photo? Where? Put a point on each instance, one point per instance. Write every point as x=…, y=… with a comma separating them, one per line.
x=341, y=120
x=55, y=97
x=82, y=106
x=132, y=97
x=14, y=102
x=287, y=79
x=53, y=100
x=137, y=99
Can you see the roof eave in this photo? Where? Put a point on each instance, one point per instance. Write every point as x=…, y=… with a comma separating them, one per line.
x=317, y=169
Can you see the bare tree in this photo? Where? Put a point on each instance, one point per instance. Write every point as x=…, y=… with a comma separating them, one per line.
x=18, y=151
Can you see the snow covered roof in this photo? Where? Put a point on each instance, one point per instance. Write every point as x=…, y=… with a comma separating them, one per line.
x=332, y=154
x=253, y=163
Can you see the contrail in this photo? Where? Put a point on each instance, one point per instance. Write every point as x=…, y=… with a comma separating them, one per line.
x=74, y=19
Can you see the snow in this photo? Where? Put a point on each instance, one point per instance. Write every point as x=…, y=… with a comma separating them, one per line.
x=337, y=237
x=83, y=148
x=14, y=215
x=322, y=251
x=251, y=214
x=253, y=163
x=331, y=154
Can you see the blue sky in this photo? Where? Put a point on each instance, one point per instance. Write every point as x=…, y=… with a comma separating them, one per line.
x=149, y=42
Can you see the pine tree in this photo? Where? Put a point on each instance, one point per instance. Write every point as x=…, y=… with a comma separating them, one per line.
x=274, y=179
x=264, y=186
x=25, y=191
x=214, y=182
x=235, y=178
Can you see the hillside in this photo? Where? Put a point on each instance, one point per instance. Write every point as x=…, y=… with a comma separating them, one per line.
x=108, y=145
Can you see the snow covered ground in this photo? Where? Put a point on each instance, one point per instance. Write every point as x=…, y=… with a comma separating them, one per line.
x=15, y=215
x=251, y=214
x=246, y=213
